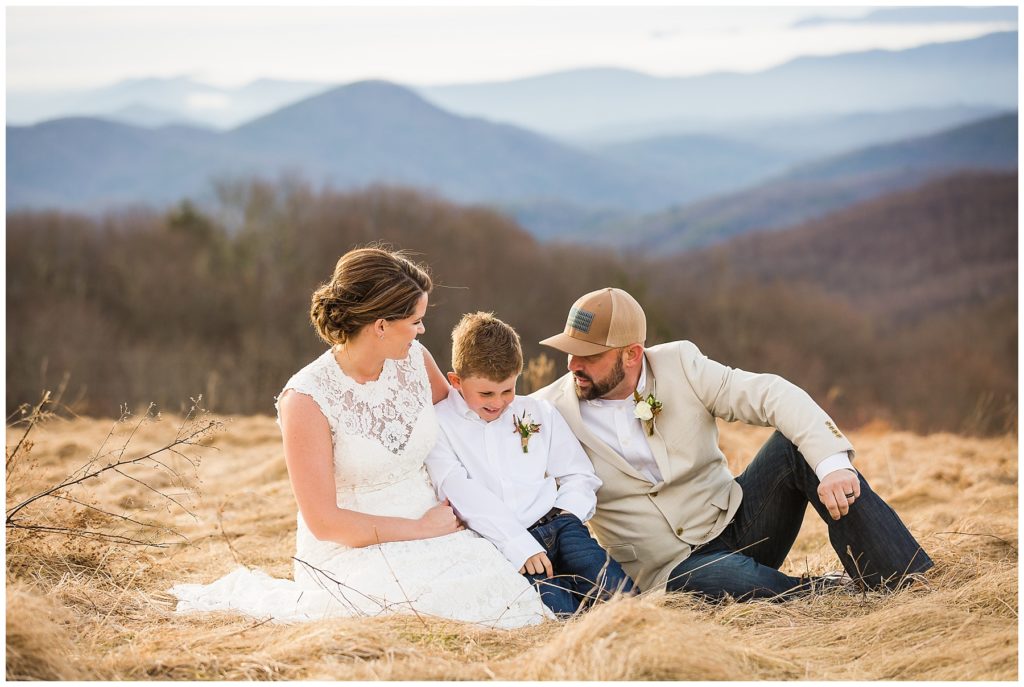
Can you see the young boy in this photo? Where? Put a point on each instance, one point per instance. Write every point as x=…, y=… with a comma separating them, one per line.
x=515, y=473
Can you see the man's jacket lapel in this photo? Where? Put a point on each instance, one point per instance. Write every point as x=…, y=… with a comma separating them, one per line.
x=656, y=441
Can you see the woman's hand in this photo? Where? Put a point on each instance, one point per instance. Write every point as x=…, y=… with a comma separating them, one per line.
x=439, y=521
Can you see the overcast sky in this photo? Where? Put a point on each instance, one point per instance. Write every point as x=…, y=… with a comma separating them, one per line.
x=83, y=47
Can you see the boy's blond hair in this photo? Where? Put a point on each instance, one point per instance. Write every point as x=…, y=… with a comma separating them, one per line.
x=484, y=346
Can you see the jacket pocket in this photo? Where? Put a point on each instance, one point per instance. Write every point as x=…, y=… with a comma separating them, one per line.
x=721, y=499
x=623, y=553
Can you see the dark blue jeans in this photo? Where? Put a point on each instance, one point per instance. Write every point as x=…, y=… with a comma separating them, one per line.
x=583, y=571
x=873, y=544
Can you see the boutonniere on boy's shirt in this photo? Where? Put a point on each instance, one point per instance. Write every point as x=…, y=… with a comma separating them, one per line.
x=525, y=427
x=646, y=410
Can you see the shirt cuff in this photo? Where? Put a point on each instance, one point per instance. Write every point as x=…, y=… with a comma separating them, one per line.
x=837, y=461
x=519, y=548
x=578, y=504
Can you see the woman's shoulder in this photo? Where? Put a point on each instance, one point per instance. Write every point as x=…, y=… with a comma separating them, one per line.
x=311, y=374
x=310, y=381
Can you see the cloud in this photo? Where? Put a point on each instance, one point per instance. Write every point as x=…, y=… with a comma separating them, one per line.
x=919, y=15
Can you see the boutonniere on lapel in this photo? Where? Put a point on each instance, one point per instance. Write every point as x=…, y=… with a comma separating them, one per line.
x=646, y=410
x=525, y=427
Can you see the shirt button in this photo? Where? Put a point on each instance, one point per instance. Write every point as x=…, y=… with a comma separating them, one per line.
x=654, y=493
x=679, y=531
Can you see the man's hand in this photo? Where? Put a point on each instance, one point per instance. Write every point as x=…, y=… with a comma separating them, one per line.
x=838, y=491
x=538, y=564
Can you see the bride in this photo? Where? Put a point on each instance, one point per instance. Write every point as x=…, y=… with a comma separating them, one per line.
x=357, y=424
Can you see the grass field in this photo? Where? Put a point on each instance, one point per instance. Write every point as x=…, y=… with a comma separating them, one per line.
x=82, y=609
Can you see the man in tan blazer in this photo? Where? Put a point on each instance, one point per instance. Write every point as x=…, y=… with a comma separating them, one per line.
x=669, y=510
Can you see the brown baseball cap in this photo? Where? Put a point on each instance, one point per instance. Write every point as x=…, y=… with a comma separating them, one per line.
x=599, y=321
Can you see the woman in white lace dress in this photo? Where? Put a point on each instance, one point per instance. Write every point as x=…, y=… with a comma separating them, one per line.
x=357, y=424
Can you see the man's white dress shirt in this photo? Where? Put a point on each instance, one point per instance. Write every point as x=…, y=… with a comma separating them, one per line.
x=498, y=490
x=613, y=422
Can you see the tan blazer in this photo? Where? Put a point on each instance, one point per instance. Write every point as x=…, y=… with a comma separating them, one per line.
x=649, y=529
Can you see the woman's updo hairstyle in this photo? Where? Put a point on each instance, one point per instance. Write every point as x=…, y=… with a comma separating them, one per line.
x=368, y=284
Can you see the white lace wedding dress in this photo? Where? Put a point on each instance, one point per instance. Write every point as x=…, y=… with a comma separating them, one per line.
x=382, y=431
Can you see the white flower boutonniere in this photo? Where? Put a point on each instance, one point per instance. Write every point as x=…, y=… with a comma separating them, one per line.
x=646, y=410
x=525, y=427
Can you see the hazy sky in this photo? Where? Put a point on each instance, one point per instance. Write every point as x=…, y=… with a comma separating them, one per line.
x=82, y=47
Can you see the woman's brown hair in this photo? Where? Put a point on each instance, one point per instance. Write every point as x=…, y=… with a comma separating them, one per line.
x=368, y=284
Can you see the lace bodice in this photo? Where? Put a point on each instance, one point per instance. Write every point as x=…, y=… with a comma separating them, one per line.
x=381, y=430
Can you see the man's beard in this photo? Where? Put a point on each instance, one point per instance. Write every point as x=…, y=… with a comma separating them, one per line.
x=599, y=388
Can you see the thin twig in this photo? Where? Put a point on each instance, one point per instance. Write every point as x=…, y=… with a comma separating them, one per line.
x=320, y=572
x=982, y=534
x=131, y=435
x=87, y=534
x=860, y=581
x=699, y=567
x=224, y=534
x=251, y=627
x=20, y=410
x=397, y=581
x=34, y=417
x=112, y=466
x=158, y=492
x=116, y=515
x=1012, y=609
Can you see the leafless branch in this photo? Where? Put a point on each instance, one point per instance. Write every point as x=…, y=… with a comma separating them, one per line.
x=116, y=515
x=157, y=492
x=115, y=461
x=33, y=419
x=88, y=534
x=189, y=440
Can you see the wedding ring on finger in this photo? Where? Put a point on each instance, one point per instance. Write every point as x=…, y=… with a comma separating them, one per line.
x=849, y=496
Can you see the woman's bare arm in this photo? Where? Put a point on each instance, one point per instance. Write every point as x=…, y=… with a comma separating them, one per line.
x=438, y=382
x=309, y=453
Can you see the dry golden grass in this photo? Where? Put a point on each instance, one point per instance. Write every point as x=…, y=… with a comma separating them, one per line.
x=91, y=610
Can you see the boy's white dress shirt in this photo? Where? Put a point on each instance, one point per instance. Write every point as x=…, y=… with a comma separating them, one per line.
x=498, y=490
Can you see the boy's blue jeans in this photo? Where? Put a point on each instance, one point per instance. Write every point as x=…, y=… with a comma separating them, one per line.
x=874, y=546
x=583, y=571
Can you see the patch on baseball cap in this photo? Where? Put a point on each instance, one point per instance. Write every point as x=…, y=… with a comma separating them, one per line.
x=580, y=320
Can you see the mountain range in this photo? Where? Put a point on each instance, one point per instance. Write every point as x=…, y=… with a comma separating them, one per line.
x=586, y=104
x=155, y=102
x=814, y=189
x=669, y=191
x=611, y=105
x=365, y=133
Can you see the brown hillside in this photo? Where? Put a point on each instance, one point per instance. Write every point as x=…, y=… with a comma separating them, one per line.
x=141, y=306
x=948, y=244
x=903, y=308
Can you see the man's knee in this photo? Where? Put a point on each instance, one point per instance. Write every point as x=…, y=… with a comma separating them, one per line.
x=779, y=450
x=779, y=444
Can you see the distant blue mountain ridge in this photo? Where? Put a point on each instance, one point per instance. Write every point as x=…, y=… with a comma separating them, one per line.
x=606, y=105
x=381, y=133
x=816, y=188
x=365, y=133
x=595, y=103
